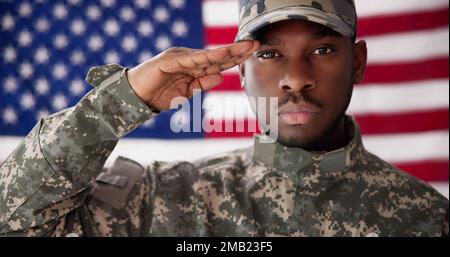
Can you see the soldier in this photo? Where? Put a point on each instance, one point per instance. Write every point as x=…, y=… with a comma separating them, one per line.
x=317, y=179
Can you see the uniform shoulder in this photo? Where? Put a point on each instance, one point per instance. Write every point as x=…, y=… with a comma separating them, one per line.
x=236, y=158
x=385, y=176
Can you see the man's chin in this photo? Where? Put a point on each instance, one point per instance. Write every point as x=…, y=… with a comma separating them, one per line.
x=297, y=141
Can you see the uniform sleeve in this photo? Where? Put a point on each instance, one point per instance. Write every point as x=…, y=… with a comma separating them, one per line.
x=65, y=152
x=445, y=232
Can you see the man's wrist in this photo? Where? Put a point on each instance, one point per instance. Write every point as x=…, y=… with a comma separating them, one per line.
x=116, y=102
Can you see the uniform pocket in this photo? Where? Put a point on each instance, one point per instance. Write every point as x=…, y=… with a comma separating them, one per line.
x=114, y=185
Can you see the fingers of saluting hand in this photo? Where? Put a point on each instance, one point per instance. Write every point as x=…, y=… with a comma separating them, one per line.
x=216, y=60
x=207, y=82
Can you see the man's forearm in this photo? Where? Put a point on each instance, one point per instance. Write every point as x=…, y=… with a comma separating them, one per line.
x=67, y=150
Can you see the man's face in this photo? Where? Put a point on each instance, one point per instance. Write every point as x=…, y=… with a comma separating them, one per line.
x=311, y=69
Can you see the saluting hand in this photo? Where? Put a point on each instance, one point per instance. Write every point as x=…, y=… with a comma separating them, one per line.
x=179, y=70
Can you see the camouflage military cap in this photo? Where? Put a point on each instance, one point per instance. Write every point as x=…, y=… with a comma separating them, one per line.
x=339, y=15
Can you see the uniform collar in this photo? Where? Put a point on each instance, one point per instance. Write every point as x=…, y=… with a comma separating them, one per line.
x=295, y=159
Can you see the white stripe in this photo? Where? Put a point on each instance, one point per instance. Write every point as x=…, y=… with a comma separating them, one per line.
x=409, y=46
x=403, y=47
x=400, y=97
x=441, y=187
x=234, y=70
x=217, y=108
x=370, y=98
x=148, y=150
x=399, y=148
x=406, y=147
x=222, y=13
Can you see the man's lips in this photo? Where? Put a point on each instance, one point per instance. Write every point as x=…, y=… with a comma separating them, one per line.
x=298, y=114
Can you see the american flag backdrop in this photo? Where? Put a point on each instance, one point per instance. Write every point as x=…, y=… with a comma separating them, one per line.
x=47, y=47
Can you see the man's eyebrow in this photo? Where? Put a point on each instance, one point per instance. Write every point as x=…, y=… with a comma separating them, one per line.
x=326, y=32
x=270, y=41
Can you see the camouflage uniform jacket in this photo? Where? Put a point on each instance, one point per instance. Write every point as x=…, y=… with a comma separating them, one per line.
x=54, y=183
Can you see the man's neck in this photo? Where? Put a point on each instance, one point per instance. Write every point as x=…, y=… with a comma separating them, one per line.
x=335, y=139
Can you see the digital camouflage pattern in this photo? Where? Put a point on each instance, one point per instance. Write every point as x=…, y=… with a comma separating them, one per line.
x=255, y=14
x=54, y=183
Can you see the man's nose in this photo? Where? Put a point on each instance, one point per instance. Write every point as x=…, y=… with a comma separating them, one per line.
x=298, y=76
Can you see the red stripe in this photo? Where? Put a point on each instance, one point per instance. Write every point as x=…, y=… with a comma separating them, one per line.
x=404, y=123
x=377, y=25
x=244, y=123
x=372, y=124
x=220, y=35
x=430, y=170
x=384, y=73
x=384, y=24
x=410, y=71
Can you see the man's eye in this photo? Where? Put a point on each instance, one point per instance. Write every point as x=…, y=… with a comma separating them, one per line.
x=268, y=55
x=323, y=51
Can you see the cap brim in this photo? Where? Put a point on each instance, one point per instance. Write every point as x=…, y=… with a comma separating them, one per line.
x=327, y=19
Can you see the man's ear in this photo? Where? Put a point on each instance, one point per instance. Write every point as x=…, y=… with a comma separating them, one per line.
x=242, y=74
x=359, y=61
